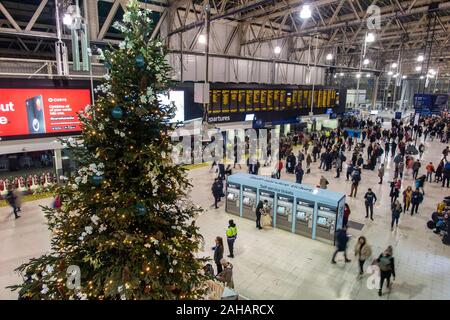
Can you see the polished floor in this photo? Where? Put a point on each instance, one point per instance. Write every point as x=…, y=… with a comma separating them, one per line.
x=275, y=264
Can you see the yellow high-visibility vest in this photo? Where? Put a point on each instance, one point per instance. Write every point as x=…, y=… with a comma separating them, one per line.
x=231, y=232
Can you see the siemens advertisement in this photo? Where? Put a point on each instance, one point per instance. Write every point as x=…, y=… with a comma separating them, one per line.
x=29, y=113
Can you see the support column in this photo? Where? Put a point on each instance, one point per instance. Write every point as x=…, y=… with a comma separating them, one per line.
x=91, y=12
x=58, y=163
x=375, y=91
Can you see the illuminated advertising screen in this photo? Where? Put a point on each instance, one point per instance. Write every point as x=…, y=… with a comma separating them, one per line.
x=28, y=113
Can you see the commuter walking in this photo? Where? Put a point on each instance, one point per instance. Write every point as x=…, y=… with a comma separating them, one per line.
x=370, y=199
x=421, y=150
x=407, y=196
x=338, y=166
x=231, y=237
x=347, y=212
x=218, y=254
x=341, y=244
x=11, y=199
x=394, y=193
x=446, y=174
x=350, y=169
x=356, y=178
x=430, y=170
x=363, y=252
x=308, y=163
x=381, y=173
x=278, y=168
x=387, y=268
x=299, y=173
x=416, y=200
x=415, y=168
x=396, y=209
x=216, y=191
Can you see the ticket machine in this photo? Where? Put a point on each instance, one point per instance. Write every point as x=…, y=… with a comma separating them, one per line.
x=249, y=202
x=304, y=218
x=270, y=197
x=284, y=211
x=232, y=204
x=326, y=222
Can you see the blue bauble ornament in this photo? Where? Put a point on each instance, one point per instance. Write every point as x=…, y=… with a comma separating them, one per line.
x=117, y=112
x=97, y=180
x=127, y=98
x=140, y=62
x=141, y=209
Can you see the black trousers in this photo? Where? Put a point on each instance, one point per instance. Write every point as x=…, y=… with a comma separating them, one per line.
x=361, y=264
x=216, y=200
x=385, y=275
x=415, y=206
x=369, y=206
x=258, y=221
x=444, y=179
x=415, y=173
x=230, y=242
x=219, y=267
x=15, y=209
x=278, y=174
x=336, y=252
x=394, y=219
x=429, y=176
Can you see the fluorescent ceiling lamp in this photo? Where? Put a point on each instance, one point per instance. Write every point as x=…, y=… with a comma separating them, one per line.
x=390, y=73
x=368, y=75
x=404, y=77
x=329, y=56
x=202, y=39
x=420, y=58
x=305, y=12
x=421, y=77
x=341, y=74
x=277, y=50
x=395, y=75
x=431, y=71
x=418, y=68
x=394, y=65
x=366, y=62
x=358, y=75
x=370, y=37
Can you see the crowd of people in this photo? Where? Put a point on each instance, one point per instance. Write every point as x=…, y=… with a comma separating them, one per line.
x=368, y=146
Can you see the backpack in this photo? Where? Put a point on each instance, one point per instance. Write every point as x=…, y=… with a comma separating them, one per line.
x=356, y=176
x=385, y=263
x=447, y=166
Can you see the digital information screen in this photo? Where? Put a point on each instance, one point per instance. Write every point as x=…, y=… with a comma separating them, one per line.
x=26, y=112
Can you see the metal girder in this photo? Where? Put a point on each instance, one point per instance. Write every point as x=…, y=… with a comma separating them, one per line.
x=112, y=12
x=36, y=15
x=248, y=6
x=9, y=17
x=314, y=30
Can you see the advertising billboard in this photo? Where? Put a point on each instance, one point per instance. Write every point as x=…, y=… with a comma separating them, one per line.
x=32, y=113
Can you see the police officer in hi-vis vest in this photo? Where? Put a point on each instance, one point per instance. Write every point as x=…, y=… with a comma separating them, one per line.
x=231, y=237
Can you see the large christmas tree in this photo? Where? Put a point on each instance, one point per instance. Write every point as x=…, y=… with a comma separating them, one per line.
x=124, y=220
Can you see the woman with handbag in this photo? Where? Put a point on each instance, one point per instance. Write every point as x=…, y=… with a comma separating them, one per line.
x=363, y=251
x=266, y=219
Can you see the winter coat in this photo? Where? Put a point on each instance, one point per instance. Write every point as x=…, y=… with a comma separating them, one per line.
x=218, y=254
x=364, y=252
x=381, y=172
x=341, y=240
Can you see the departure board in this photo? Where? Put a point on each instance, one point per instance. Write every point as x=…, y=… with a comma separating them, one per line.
x=216, y=101
x=316, y=98
x=289, y=100
x=300, y=99
x=320, y=103
x=234, y=100
x=307, y=99
x=225, y=101
x=276, y=100
x=249, y=100
x=241, y=100
x=282, y=99
x=294, y=99
x=263, y=100
x=256, y=99
x=269, y=100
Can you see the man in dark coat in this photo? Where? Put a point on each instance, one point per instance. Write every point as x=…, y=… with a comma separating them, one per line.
x=341, y=244
x=259, y=212
x=217, y=189
x=11, y=199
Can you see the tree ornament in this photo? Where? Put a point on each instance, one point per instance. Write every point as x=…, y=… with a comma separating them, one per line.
x=140, y=62
x=117, y=112
x=141, y=209
x=97, y=180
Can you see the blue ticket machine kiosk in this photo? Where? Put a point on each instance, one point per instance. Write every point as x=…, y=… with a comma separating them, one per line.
x=233, y=203
x=284, y=212
x=304, y=218
x=249, y=202
x=298, y=208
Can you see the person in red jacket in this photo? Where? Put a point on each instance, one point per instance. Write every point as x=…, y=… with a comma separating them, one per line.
x=347, y=212
x=430, y=171
x=279, y=167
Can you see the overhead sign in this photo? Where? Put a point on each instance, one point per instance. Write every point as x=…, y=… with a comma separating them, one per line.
x=28, y=113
